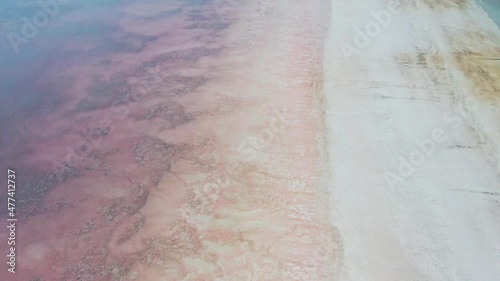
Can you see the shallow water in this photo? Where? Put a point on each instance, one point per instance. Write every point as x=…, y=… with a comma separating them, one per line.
x=159, y=140
x=493, y=9
x=94, y=34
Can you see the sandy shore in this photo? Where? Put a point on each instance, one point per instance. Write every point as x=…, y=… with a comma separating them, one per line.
x=413, y=115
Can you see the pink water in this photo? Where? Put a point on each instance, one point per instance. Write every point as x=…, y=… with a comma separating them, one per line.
x=171, y=141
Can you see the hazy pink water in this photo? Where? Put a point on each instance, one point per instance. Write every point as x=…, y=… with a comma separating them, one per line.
x=169, y=141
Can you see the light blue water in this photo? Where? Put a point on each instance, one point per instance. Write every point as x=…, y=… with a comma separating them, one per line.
x=24, y=57
x=41, y=39
x=493, y=9
x=23, y=62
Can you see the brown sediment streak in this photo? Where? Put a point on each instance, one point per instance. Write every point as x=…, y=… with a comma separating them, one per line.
x=484, y=71
x=446, y=4
x=464, y=64
x=206, y=162
x=475, y=52
x=473, y=57
x=479, y=61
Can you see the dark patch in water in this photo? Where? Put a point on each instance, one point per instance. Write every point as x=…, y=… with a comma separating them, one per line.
x=124, y=206
x=182, y=241
x=154, y=151
x=134, y=224
x=33, y=186
x=161, y=15
x=118, y=89
x=197, y=17
x=102, y=94
x=189, y=84
x=185, y=55
x=121, y=43
x=95, y=133
x=208, y=26
x=172, y=112
x=27, y=98
x=105, y=62
x=96, y=265
x=132, y=43
x=196, y=2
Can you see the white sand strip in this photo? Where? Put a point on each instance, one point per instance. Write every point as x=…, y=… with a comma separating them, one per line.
x=414, y=185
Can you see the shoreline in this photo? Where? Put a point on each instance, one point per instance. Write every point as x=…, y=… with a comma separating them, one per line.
x=493, y=10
